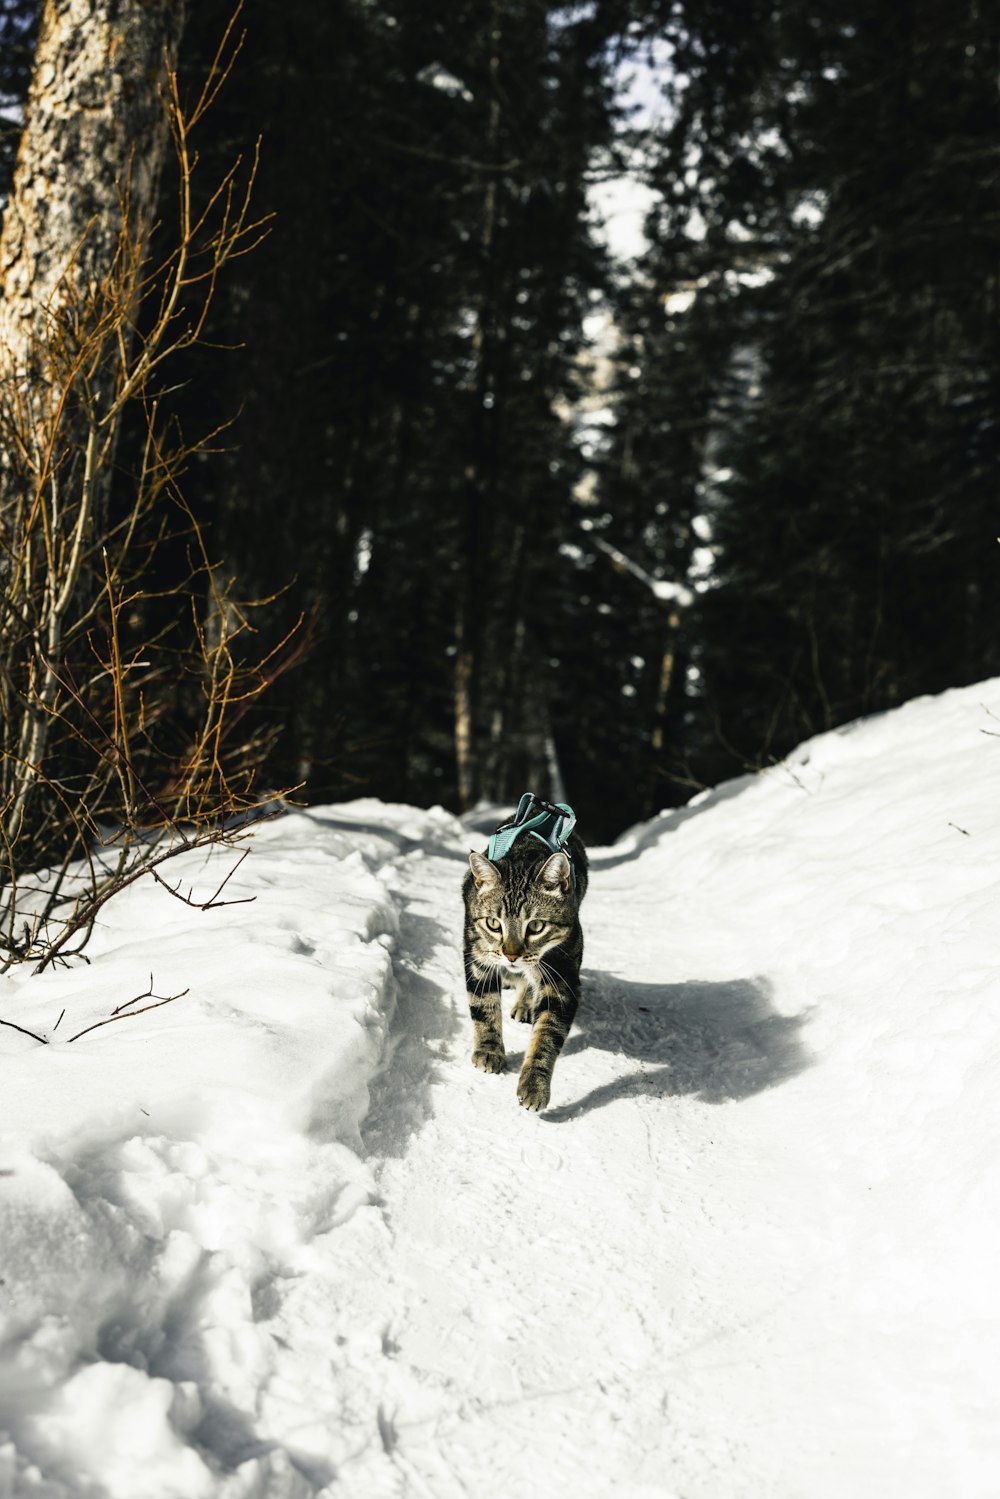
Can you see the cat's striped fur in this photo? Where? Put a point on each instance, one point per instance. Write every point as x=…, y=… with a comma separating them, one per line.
x=522, y=930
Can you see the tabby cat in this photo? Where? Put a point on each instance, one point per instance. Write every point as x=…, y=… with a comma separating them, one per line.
x=522, y=929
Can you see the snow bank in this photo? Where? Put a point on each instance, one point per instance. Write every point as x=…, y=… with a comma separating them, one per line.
x=162, y=1175
x=856, y=1158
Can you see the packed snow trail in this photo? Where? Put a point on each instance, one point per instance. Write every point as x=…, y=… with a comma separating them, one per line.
x=732, y=1257
x=284, y=1241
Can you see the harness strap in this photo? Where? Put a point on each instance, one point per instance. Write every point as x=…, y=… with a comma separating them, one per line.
x=552, y=823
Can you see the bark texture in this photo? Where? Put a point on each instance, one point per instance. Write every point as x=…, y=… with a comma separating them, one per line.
x=94, y=130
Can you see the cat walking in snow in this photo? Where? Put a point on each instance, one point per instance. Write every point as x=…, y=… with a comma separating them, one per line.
x=522, y=931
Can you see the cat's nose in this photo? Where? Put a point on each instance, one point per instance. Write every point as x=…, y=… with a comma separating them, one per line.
x=511, y=957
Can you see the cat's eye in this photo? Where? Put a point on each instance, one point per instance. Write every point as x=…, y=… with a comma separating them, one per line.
x=536, y=926
x=493, y=923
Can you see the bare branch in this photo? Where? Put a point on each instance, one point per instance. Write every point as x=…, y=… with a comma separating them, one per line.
x=122, y=1014
x=11, y=1026
x=101, y=668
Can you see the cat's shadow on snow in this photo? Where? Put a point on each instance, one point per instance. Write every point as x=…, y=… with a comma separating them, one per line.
x=713, y=1041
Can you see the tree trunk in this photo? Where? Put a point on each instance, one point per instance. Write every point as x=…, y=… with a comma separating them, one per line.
x=71, y=248
x=74, y=233
x=95, y=129
x=668, y=660
x=479, y=474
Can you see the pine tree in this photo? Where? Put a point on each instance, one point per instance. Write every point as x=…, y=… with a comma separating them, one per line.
x=826, y=183
x=412, y=329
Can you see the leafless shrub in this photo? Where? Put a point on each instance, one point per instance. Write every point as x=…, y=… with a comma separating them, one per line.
x=127, y=658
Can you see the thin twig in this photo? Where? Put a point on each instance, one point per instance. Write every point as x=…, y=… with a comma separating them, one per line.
x=146, y=994
x=148, y=866
x=213, y=903
x=10, y=1024
x=130, y=1015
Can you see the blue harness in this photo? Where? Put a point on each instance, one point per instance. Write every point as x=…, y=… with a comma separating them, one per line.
x=550, y=822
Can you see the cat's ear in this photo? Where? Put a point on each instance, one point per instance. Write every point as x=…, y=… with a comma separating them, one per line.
x=556, y=872
x=483, y=872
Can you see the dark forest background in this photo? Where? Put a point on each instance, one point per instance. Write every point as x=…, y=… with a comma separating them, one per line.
x=765, y=505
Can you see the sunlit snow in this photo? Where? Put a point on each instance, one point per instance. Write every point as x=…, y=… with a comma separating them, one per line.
x=279, y=1238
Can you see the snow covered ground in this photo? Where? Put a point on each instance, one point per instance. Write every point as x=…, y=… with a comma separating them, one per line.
x=280, y=1239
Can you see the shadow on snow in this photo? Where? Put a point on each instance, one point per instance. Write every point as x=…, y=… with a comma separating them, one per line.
x=403, y=843
x=717, y=1042
x=424, y=1024
x=647, y=834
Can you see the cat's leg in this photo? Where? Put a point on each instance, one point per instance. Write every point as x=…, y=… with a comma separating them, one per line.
x=487, y=1020
x=524, y=1000
x=555, y=1006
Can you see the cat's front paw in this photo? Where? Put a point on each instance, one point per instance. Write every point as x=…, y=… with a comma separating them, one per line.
x=533, y=1087
x=489, y=1060
x=522, y=1011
